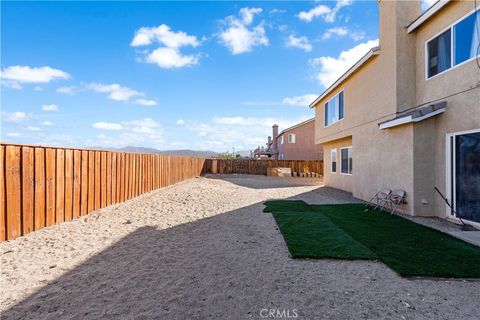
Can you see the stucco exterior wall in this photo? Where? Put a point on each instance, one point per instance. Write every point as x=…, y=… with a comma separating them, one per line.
x=337, y=180
x=459, y=86
x=304, y=147
x=411, y=157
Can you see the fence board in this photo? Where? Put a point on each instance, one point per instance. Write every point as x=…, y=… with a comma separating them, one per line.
x=3, y=210
x=39, y=217
x=60, y=187
x=127, y=175
x=109, y=178
x=84, y=184
x=98, y=182
x=91, y=181
x=77, y=174
x=68, y=184
x=103, y=179
x=114, y=177
x=13, y=191
x=28, y=189
x=50, y=160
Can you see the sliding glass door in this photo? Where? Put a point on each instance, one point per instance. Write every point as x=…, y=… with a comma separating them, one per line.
x=464, y=175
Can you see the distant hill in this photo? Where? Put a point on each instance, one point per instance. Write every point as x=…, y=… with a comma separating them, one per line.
x=185, y=152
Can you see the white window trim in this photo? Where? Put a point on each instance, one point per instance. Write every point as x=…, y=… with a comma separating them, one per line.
x=281, y=139
x=331, y=161
x=448, y=176
x=345, y=174
x=452, y=66
x=293, y=136
x=331, y=124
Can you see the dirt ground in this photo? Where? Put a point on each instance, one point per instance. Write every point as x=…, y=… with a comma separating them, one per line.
x=204, y=249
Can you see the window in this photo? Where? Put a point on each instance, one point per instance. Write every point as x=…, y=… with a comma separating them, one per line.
x=346, y=160
x=334, y=160
x=466, y=38
x=291, y=138
x=281, y=140
x=457, y=44
x=439, y=57
x=334, y=109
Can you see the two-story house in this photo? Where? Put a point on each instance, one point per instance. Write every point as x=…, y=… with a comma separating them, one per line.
x=294, y=143
x=407, y=114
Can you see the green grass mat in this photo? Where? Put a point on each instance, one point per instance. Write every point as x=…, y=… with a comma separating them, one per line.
x=347, y=232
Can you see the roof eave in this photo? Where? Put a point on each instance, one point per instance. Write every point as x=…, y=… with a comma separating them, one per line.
x=424, y=17
x=371, y=53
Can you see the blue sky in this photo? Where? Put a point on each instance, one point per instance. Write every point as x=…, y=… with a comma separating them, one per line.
x=172, y=75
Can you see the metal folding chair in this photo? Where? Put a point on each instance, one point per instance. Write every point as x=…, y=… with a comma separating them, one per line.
x=396, y=198
x=380, y=199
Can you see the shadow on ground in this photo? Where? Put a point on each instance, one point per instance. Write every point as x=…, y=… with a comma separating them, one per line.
x=233, y=266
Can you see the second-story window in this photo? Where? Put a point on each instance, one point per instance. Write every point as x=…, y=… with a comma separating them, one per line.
x=334, y=109
x=291, y=138
x=439, y=54
x=458, y=44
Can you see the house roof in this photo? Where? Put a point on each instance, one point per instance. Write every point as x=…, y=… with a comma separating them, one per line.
x=425, y=16
x=370, y=54
x=416, y=114
x=296, y=126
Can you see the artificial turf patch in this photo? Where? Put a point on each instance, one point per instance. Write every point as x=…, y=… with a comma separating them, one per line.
x=347, y=232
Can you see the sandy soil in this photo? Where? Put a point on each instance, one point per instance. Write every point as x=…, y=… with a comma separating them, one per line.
x=203, y=249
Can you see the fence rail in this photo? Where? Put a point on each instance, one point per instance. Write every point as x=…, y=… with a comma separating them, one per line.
x=42, y=186
x=259, y=167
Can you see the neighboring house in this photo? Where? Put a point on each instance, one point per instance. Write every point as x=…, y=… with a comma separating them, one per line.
x=407, y=115
x=294, y=143
x=298, y=143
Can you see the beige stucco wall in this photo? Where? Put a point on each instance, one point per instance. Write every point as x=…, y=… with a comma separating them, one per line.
x=304, y=147
x=381, y=158
x=410, y=157
x=337, y=180
x=458, y=86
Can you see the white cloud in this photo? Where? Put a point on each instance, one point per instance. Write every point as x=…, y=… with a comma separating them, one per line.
x=107, y=126
x=14, y=117
x=320, y=10
x=238, y=37
x=13, y=76
x=331, y=68
x=70, y=90
x=146, y=102
x=326, y=13
x=168, y=55
x=298, y=42
x=135, y=132
x=343, y=32
x=180, y=122
x=115, y=91
x=169, y=58
x=50, y=107
x=13, y=134
x=301, y=101
x=338, y=31
x=38, y=88
x=46, y=123
x=147, y=122
x=163, y=35
x=31, y=128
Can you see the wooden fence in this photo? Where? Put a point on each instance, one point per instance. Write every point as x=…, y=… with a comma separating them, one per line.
x=260, y=166
x=41, y=186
